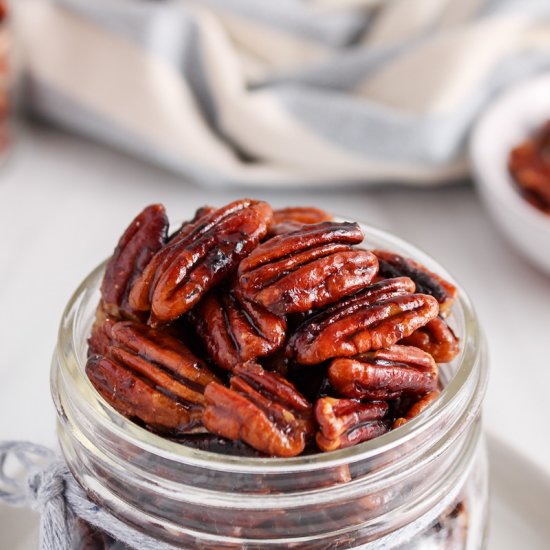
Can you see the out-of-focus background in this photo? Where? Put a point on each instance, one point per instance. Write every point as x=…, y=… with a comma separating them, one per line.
x=398, y=113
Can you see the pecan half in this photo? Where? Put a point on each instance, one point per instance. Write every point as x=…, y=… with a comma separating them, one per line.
x=435, y=338
x=140, y=293
x=347, y=422
x=308, y=268
x=100, y=337
x=141, y=240
x=150, y=375
x=201, y=212
x=236, y=330
x=286, y=220
x=385, y=373
x=529, y=166
x=376, y=318
x=262, y=409
x=202, y=255
x=427, y=282
x=420, y=406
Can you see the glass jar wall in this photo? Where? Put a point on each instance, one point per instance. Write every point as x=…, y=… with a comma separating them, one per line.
x=423, y=485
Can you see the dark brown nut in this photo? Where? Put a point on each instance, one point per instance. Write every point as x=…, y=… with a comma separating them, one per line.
x=136, y=398
x=150, y=375
x=529, y=166
x=262, y=409
x=306, y=269
x=236, y=330
x=427, y=282
x=200, y=257
x=385, y=373
x=301, y=214
x=100, y=337
x=287, y=220
x=376, y=318
x=347, y=422
x=420, y=406
x=452, y=526
x=435, y=338
x=141, y=240
x=140, y=293
x=216, y=444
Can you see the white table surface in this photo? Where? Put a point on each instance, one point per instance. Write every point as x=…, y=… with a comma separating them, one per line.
x=64, y=202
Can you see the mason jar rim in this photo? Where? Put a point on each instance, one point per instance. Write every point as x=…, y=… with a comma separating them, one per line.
x=148, y=441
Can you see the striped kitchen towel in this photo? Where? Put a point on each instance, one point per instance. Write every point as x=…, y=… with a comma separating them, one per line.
x=281, y=93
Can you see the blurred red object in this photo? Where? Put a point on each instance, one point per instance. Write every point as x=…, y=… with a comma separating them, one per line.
x=529, y=165
x=6, y=78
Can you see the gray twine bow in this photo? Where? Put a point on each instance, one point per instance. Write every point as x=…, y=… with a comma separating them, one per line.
x=47, y=485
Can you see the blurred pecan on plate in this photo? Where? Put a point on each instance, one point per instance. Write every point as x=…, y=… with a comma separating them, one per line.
x=203, y=254
x=435, y=338
x=143, y=238
x=286, y=220
x=150, y=375
x=235, y=330
x=385, y=373
x=427, y=282
x=375, y=318
x=347, y=422
x=529, y=166
x=261, y=408
x=418, y=407
x=308, y=268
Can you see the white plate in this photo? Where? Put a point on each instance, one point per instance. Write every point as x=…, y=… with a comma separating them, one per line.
x=506, y=123
x=520, y=508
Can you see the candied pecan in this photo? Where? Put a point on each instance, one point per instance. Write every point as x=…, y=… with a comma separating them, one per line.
x=235, y=330
x=199, y=213
x=529, y=166
x=385, y=373
x=417, y=408
x=286, y=220
x=427, y=282
x=198, y=258
x=301, y=214
x=262, y=409
x=136, y=398
x=347, y=422
x=216, y=444
x=140, y=293
x=378, y=317
x=141, y=240
x=308, y=268
x=151, y=375
x=435, y=338
x=100, y=337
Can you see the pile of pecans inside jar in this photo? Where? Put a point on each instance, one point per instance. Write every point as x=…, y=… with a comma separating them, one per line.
x=266, y=332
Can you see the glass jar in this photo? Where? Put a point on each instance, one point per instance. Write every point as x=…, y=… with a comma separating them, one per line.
x=421, y=486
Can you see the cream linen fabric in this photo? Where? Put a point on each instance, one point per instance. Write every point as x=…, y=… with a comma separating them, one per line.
x=286, y=93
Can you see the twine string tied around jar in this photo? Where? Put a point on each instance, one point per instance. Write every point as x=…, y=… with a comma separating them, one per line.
x=44, y=483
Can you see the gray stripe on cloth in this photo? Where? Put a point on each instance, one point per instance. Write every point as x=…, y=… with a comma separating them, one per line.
x=50, y=105
x=165, y=29
x=336, y=28
x=382, y=133
x=509, y=7
x=341, y=71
